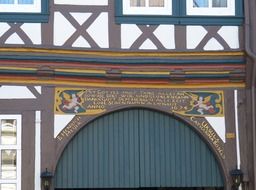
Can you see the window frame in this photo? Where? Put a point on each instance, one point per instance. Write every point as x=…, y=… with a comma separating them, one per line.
x=16, y=147
x=179, y=16
x=39, y=16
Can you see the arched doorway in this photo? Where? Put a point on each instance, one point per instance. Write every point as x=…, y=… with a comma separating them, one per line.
x=138, y=148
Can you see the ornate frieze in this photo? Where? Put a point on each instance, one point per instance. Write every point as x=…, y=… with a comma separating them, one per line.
x=195, y=107
x=91, y=101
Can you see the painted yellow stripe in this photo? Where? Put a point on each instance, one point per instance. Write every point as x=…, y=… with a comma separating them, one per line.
x=122, y=85
x=18, y=68
x=60, y=70
x=118, y=54
x=104, y=72
x=145, y=73
x=81, y=71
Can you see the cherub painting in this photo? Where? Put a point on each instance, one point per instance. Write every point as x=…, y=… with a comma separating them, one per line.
x=72, y=101
x=203, y=104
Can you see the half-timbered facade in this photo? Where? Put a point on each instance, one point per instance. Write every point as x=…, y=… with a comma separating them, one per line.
x=133, y=94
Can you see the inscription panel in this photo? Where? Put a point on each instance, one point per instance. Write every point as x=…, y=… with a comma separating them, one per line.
x=91, y=101
x=206, y=129
x=193, y=106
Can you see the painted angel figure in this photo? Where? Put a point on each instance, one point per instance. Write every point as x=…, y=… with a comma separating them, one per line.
x=72, y=103
x=203, y=104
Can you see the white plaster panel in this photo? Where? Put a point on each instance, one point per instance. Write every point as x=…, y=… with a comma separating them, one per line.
x=81, y=42
x=165, y=34
x=81, y=17
x=15, y=92
x=33, y=30
x=62, y=29
x=82, y=2
x=231, y=35
x=129, y=33
x=213, y=44
x=38, y=89
x=99, y=30
x=218, y=124
x=195, y=34
x=14, y=39
x=60, y=122
x=148, y=44
x=3, y=28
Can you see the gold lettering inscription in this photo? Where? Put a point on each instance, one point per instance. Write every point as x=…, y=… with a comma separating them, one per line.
x=99, y=99
x=70, y=128
x=210, y=133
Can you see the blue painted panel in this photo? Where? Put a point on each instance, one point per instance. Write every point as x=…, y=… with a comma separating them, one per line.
x=137, y=148
x=165, y=61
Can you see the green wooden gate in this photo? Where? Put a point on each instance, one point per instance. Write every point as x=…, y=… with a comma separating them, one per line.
x=137, y=148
